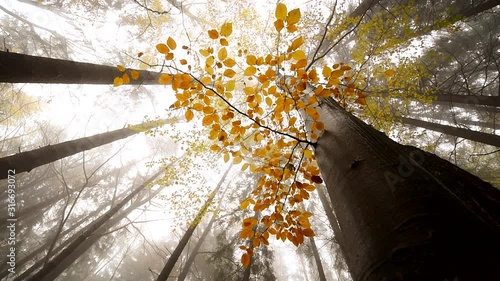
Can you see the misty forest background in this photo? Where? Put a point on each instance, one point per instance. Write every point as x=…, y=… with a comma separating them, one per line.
x=429, y=70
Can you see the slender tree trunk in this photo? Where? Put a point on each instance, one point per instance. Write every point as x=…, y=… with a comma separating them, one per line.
x=20, y=68
x=317, y=258
x=26, y=161
x=172, y=260
x=61, y=261
x=195, y=251
x=409, y=215
x=454, y=131
x=469, y=99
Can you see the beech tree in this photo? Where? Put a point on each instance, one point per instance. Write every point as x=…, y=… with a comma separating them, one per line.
x=378, y=187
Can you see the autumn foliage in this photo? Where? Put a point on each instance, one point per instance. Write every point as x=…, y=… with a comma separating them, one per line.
x=260, y=111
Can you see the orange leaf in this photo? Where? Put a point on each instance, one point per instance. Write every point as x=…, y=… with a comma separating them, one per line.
x=171, y=43
x=134, y=74
x=213, y=34
x=121, y=68
x=189, y=115
x=308, y=232
x=118, y=81
x=245, y=260
x=316, y=179
x=162, y=48
x=125, y=78
x=293, y=17
x=279, y=24
x=165, y=79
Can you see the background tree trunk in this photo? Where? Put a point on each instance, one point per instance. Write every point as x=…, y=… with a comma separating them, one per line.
x=60, y=262
x=172, y=260
x=454, y=131
x=317, y=258
x=20, y=68
x=26, y=161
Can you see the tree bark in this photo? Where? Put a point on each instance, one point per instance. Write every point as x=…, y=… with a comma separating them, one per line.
x=317, y=258
x=26, y=161
x=60, y=262
x=454, y=131
x=20, y=68
x=172, y=260
x=409, y=215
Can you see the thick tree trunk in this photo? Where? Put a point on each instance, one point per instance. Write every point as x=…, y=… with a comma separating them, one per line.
x=317, y=258
x=26, y=161
x=172, y=260
x=61, y=261
x=196, y=249
x=454, y=131
x=409, y=215
x=20, y=68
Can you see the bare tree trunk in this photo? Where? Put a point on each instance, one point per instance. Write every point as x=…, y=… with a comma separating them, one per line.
x=454, y=131
x=61, y=261
x=195, y=251
x=172, y=260
x=409, y=215
x=317, y=258
x=469, y=99
x=20, y=68
x=26, y=161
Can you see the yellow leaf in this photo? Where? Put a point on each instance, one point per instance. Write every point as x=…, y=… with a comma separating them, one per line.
x=183, y=61
x=165, y=79
x=279, y=24
x=245, y=166
x=198, y=106
x=281, y=11
x=207, y=120
x=244, y=204
x=299, y=55
x=121, y=68
x=171, y=43
x=189, y=115
x=222, y=54
x=229, y=73
x=229, y=62
x=224, y=42
x=389, y=72
x=251, y=70
x=169, y=56
x=308, y=153
x=245, y=260
x=213, y=34
x=237, y=160
x=118, y=81
x=162, y=48
x=230, y=85
x=327, y=72
x=134, y=74
x=206, y=80
x=226, y=157
x=269, y=101
x=226, y=29
x=204, y=52
x=292, y=121
x=251, y=59
x=301, y=63
x=125, y=78
x=293, y=16
x=296, y=43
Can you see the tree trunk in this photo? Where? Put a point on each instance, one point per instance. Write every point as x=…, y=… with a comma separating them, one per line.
x=20, y=68
x=469, y=99
x=26, y=161
x=409, y=215
x=172, y=260
x=195, y=251
x=317, y=258
x=454, y=131
x=60, y=262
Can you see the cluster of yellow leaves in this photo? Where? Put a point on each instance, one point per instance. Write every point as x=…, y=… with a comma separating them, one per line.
x=252, y=113
x=125, y=77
